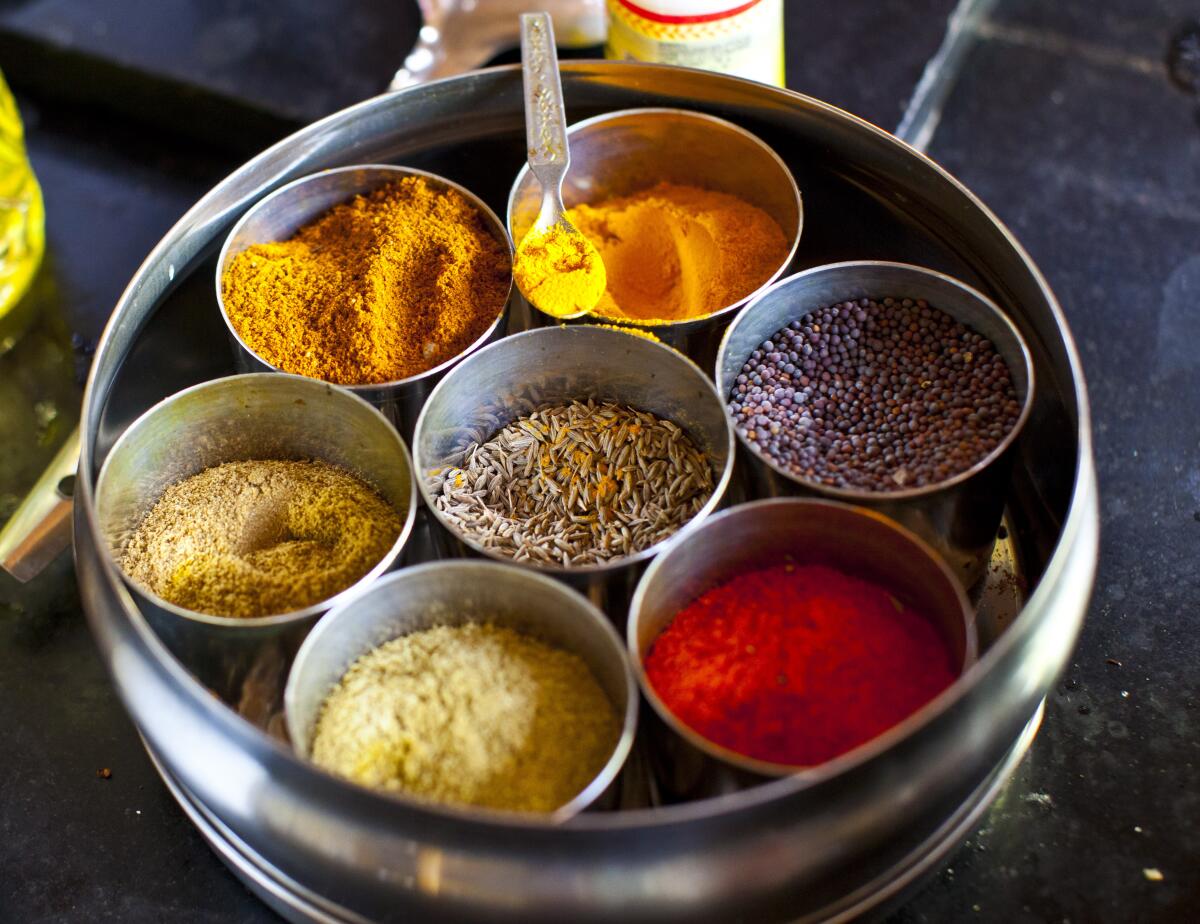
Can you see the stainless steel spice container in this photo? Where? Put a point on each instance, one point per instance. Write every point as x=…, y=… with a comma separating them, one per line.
x=620, y=153
x=253, y=416
x=318, y=850
x=959, y=516
x=455, y=593
x=278, y=216
x=554, y=365
x=853, y=540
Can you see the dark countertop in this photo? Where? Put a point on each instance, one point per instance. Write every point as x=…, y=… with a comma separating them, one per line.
x=1063, y=119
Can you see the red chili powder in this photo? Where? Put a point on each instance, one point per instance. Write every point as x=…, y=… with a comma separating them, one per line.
x=796, y=664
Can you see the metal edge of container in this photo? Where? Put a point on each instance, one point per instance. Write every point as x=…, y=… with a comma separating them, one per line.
x=1016, y=671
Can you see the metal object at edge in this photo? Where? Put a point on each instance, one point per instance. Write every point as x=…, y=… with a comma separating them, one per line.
x=762, y=854
x=556, y=365
x=728, y=544
x=277, y=216
x=242, y=417
x=453, y=593
x=959, y=516
x=620, y=153
x=40, y=528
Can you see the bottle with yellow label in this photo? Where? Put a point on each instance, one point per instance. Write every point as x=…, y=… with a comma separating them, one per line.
x=22, y=223
x=740, y=38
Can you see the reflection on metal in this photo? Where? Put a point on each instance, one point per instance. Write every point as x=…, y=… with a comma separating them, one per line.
x=461, y=35
x=924, y=112
x=40, y=529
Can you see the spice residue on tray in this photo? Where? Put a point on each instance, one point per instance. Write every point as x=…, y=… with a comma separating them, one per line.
x=476, y=714
x=577, y=484
x=675, y=252
x=796, y=664
x=383, y=287
x=876, y=395
x=257, y=538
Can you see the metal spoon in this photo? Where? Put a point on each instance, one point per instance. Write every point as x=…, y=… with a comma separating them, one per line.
x=549, y=158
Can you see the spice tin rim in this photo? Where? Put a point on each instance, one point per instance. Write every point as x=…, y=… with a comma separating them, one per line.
x=804, y=775
x=683, y=323
x=720, y=482
x=398, y=170
x=855, y=495
x=327, y=624
x=276, y=619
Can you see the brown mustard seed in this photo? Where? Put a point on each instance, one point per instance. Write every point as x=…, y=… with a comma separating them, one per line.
x=880, y=395
x=257, y=538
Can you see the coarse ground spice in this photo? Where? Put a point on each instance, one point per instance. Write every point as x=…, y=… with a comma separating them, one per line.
x=577, y=484
x=796, y=664
x=257, y=538
x=674, y=252
x=476, y=714
x=383, y=287
x=877, y=395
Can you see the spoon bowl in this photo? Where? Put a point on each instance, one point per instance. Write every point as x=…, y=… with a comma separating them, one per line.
x=556, y=268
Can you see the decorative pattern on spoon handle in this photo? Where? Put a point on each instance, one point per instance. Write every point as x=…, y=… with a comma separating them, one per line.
x=545, y=121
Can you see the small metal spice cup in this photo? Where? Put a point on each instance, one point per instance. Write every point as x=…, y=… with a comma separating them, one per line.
x=278, y=216
x=556, y=365
x=243, y=417
x=959, y=517
x=620, y=153
x=850, y=539
x=455, y=593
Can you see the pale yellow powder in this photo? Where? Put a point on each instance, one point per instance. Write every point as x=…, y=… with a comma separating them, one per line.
x=476, y=714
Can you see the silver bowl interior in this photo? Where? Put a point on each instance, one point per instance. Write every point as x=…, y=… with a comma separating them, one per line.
x=453, y=593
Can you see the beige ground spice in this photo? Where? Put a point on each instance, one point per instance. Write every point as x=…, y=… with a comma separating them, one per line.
x=476, y=714
x=257, y=538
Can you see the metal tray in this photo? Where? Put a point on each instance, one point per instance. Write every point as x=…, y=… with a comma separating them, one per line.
x=318, y=849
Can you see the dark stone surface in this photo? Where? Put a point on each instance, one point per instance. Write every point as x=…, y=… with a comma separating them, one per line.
x=865, y=57
x=298, y=59
x=241, y=74
x=1093, y=161
x=1063, y=121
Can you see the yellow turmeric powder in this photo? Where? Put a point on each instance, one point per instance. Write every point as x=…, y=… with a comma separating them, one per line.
x=673, y=252
x=635, y=331
x=383, y=287
x=559, y=272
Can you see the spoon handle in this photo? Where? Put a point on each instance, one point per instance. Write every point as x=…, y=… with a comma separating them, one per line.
x=545, y=121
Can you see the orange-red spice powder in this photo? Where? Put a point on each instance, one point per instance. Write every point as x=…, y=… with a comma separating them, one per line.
x=796, y=664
